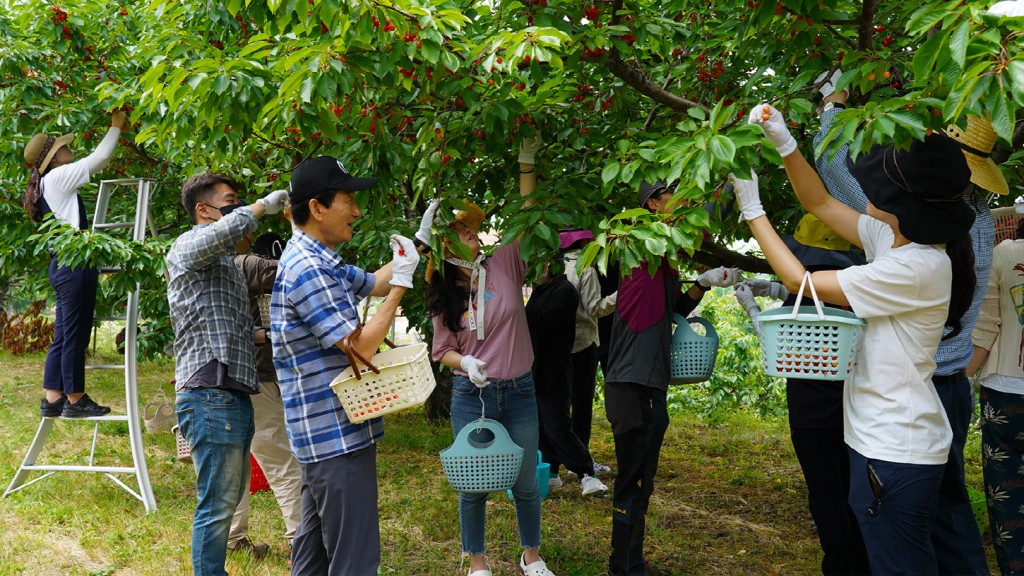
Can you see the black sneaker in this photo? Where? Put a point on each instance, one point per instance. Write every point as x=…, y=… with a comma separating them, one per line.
x=246, y=545
x=52, y=409
x=84, y=408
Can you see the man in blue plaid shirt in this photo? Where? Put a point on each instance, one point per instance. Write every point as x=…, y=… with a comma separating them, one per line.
x=955, y=537
x=215, y=370
x=313, y=306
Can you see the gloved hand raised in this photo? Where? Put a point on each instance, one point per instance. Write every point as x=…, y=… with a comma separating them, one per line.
x=528, y=149
x=748, y=198
x=774, y=126
x=828, y=86
x=275, y=201
x=423, y=234
x=762, y=287
x=405, y=260
x=475, y=369
x=722, y=277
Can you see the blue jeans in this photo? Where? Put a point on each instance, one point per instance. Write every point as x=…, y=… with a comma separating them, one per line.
x=218, y=426
x=512, y=403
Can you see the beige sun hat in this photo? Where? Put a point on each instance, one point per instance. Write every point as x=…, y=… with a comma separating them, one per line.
x=37, y=145
x=977, y=143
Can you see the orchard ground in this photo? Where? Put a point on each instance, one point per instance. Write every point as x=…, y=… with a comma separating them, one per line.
x=729, y=499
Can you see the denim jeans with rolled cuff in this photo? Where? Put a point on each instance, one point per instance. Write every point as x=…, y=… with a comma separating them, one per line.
x=512, y=403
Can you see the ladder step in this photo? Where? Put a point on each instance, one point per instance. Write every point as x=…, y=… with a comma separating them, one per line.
x=100, y=469
x=110, y=318
x=105, y=367
x=109, y=269
x=106, y=418
x=110, y=225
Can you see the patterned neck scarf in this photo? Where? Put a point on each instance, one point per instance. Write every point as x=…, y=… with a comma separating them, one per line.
x=478, y=277
x=31, y=201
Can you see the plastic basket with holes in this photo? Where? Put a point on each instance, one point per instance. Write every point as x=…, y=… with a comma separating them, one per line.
x=184, y=450
x=395, y=380
x=692, y=356
x=810, y=342
x=1006, y=220
x=482, y=465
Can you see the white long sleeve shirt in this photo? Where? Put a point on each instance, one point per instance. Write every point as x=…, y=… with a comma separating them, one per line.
x=60, y=185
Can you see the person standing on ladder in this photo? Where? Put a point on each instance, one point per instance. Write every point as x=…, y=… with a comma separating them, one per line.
x=215, y=366
x=54, y=180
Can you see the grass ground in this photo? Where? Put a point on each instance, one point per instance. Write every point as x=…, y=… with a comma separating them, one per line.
x=730, y=499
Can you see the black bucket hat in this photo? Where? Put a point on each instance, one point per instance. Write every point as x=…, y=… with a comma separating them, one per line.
x=923, y=187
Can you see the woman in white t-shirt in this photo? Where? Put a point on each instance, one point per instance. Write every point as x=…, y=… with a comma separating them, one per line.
x=54, y=180
x=919, y=278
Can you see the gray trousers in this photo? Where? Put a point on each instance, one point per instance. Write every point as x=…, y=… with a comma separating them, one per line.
x=339, y=534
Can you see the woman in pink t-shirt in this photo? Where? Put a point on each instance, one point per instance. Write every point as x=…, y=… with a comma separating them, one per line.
x=480, y=332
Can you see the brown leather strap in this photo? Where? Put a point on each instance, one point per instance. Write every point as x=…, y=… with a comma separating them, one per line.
x=353, y=355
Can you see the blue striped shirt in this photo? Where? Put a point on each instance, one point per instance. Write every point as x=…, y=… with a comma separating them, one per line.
x=313, y=306
x=955, y=353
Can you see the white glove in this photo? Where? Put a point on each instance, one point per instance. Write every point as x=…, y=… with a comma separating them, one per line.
x=828, y=87
x=1007, y=8
x=746, y=299
x=528, y=149
x=748, y=199
x=774, y=128
x=475, y=369
x=762, y=287
x=423, y=234
x=275, y=201
x=722, y=277
x=405, y=260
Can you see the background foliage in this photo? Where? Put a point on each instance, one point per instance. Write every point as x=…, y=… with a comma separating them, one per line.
x=433, y=96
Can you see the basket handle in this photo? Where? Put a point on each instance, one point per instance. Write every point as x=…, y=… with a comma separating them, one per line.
x=709, y=328
x=501, y=437
x=681, y=323
x=353, y=355
x=814, y=294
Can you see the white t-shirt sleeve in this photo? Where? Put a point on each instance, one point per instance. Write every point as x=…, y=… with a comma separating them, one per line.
x=60, y=189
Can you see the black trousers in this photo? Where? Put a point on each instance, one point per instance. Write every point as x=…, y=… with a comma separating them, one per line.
x=639, y=417
x=75, y=289
x=558, y=443
x=584, y=378
x=825, y=462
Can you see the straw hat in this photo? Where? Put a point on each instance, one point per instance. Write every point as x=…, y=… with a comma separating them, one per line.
x=977, y=143
x=36, y=145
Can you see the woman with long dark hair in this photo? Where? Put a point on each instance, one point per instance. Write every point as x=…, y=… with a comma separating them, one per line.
x=480, y=331
x=918, y=280
x=54, y=180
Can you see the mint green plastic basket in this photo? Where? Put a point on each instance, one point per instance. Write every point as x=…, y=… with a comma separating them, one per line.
x=810, y=342
x=491, y=466
x=692, y=356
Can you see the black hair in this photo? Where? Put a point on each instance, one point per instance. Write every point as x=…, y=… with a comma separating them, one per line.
x=269, y=245
x=300, y=210
x=200, y=189
x=961, y=256
x=448, y=296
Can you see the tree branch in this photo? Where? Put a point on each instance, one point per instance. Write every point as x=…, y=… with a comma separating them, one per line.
x=632, y=75
x=713, y=255
x=865, y=29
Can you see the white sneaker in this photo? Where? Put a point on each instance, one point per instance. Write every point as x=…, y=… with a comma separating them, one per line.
x=591, y=485
x=600, y=469
x=554, y=482
x=484, y=572
x=538, y=568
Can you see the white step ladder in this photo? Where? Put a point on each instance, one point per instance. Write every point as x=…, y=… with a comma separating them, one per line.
x=143, y=218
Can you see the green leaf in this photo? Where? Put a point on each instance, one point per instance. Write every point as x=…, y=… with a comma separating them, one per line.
x=958, y=43
x=723, y=148
x=609, y=172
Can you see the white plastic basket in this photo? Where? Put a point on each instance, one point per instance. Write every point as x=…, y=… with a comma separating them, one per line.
x=159, y=415
x=799, y=343
x=184, y=450
x=395, y=380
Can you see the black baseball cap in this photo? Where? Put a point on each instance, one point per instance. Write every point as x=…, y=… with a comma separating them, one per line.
x=323, y=174
x=649, y=189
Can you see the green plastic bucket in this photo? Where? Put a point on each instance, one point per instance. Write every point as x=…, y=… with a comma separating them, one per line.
x=810, y=342
x=482, y=466
x=692, y=356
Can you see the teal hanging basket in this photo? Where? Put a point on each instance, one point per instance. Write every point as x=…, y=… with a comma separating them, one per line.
x=692, y=356
x=482, y=466
x=810, y=342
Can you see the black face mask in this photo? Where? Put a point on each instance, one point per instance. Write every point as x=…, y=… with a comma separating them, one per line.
x=225, y=210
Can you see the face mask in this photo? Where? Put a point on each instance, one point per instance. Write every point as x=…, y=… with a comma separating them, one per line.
x=225, y=210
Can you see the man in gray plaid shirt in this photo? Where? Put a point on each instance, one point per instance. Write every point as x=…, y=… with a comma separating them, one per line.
x=213, y=346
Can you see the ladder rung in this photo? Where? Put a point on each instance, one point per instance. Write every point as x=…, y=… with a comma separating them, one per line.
x=110, y=318
x=109, y=269
x=110, y=225
x=128, y=180
x=105, y=367
x=100, y=469
x=106, y=418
